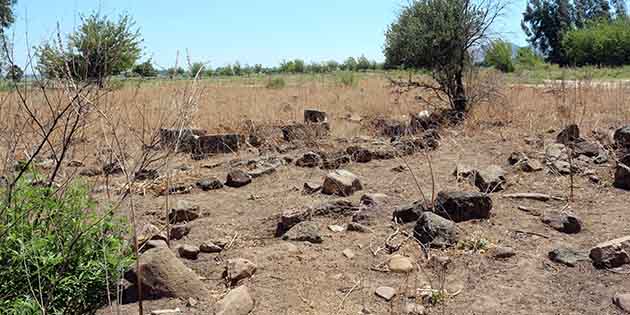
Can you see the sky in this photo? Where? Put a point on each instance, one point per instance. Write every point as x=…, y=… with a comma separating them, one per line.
x=219, y=32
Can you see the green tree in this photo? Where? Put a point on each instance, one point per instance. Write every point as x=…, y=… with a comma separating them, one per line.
x=499, y=55
x=332, y=65
x=621, y=10
x=6, y=13
x=545, y=22
x=439, y=35
x=363, y=63
x=527, y=58
x=197, y=68
x=15, y=73
x=145, y=69
x=98, y=49
x=601, y=44
x=350, y=64
x=173, y=72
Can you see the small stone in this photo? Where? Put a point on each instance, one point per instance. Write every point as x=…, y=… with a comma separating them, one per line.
x=304, y=232
x=309, y=159
x=563, y=222
x=611, y=254
x=399, y=169
x=341, y=183
x=502, y=252
x=357, y=227
x=237, y=179
x=261, y=171
x=464, y=171
x=567, y=256
x=184, y=211
x=414, y=309
x=237, y=302
x=386, y=293
x=622, y=300
x=188, y=251
x=348, y=253
x=210, y=184
x=463, y=206
x=531, y=165
x=179, y=231
x=311, y=188
x=555, y=151
x=409, y=213
x=490, y=179
x=400, y=264
x=562, y=167
x=239, y=269
x=516, y=157
x=373, y=200
x=210, y=247
x=150, y=244
x=435, y=231
x=336, y=228
x=569, y=134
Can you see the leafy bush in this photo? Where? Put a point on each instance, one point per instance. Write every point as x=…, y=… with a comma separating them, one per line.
x=57, y=256
x=145, y=69
x=499, y=55
x=526, y=58
x=601, y=44
x=275, y=83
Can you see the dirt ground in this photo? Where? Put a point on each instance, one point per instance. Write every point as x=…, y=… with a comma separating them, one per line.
x=304, y=278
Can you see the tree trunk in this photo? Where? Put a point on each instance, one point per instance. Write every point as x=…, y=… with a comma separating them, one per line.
x=460, y=101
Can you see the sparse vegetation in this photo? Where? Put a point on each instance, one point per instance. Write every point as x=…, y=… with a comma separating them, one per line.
x=276, y=83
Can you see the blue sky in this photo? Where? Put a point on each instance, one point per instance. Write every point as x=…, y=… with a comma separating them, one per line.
x=250, y=31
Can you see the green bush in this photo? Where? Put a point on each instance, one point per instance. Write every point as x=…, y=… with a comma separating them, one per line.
x=526, y=58
x=275, y=83
x=56, y=254
x=346, y=78
x=599, y=44
x=499, y=55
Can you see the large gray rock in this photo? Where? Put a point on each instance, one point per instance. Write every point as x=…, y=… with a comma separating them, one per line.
x=164, y=275
x=567, y=256
x=306, y=231
x=622, y=174
x=237, y=302
x=184, y=211
x=341, y=183
x=409, y=213
x=237, y=178
x=611, y=254
x=490, y=179
x=435, y=231
x=463, y=206
x=563, y=222
x=622, y=137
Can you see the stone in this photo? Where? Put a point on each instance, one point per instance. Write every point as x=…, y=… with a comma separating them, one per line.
x=567, y=256
x=611, y=254
x=184, y=139
x=435, y=231
x=146, y=174
x=387, y=293
x=310, y=131
x=188, y=251
x=622, y=173
x=309, y=159
x=237, y=179
x=311, y=188
x=563, y=222
x=401, y=264
x=150, y=244
x=516, y=157
x=555, y=151
x=601, y=158
x=239, y=269
x=530, y=166
x=622, y=301
x=184, y=211
x=390, y=128
x=569, y=134
x=503, y=252
x=586, y=148
x=304, y=232
x=314, y=116
x=336, y=228
x=359, y=154
x=622, y=137
x=112, y=168
x=409, y=213
x=163, y=275
x=179, y=231
x=463, y=206
x=348, y=253
x=237, y=302
x=358, y=227
x=150, y=232
x=464, y=171
x=91, y=172
x=335, y=162
x=373, y=200
x=562, y=167
x=210, y=247
x=221, y=143
x=412, y=308
x=490, y=179
x=210, y=184
x=262, y=171
x=341, y=183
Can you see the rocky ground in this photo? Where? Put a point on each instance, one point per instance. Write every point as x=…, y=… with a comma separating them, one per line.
x=435, y=223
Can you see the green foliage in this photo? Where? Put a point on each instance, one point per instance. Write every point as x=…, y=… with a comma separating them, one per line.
x=526, y=58
x=6, y=13
x=145, y=69
x=56, y=254
x=173, y=72
x=197, y=68
x=601, y=44
x=15, y=73
x=544, y=23
x=275, y=83
x=499, y=55
x=350, y=64
x=346, y=79
x=439, y=35
x=363, y=64
x=98, y=49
